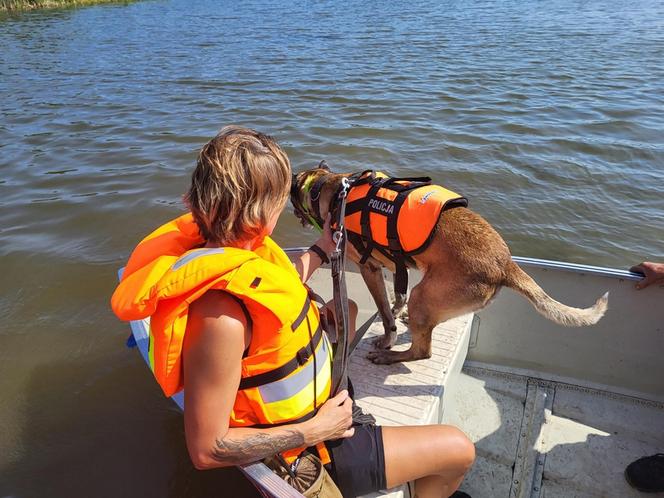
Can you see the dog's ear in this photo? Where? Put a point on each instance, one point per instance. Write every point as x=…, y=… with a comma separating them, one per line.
x=323, y=165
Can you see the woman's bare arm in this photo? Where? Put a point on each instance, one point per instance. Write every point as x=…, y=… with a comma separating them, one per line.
x=310, y=261
x=215, y=339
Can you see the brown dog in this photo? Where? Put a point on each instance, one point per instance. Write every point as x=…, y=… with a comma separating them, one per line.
x=463, y=266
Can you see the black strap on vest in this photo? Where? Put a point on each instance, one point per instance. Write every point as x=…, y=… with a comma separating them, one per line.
x=303, y=314
x=365, y=222
x=393, y=242
x=365, y=243
x=314, y=196
x=336, y=203
x=303, y=418
x=301, y=357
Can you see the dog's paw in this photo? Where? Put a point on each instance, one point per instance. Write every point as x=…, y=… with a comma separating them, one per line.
x=398, y=306
x=382, y=357
x=397, y=310
x=384, y=341
x=402, y=315
x=387, y=340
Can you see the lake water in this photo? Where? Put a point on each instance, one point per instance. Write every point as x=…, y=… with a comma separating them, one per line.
x=547, y=115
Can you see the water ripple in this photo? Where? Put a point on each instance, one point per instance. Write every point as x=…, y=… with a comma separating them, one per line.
x=547, y=115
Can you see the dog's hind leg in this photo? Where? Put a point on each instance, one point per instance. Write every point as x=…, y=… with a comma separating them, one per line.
x=373, y=277
x=399, y=306
x=433, y=301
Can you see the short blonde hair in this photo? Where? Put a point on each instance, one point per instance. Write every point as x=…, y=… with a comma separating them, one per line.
x=242, y=179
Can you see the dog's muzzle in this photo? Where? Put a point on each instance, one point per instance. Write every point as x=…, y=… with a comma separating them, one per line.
x=299, y=210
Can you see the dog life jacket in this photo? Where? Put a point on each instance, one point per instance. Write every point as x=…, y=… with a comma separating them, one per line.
x=396, y=217
x=286, y=372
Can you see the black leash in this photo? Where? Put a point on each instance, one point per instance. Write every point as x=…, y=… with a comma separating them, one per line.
x=359, y=333
x=340, y=295
x=337, y=263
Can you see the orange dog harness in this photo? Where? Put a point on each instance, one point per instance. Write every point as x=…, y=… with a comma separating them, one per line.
x=396, y=217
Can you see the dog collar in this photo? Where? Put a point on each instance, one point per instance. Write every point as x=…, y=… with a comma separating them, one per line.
x=308, y=184
x=312, y=188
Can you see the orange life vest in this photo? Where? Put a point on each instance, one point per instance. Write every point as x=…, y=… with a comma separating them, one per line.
x=288, y=357
x=395, y=216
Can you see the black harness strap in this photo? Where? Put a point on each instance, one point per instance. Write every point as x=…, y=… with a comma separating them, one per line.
x=365, y=221
x=354, y=206
x=303, y=418
x=359, y=333
x=314, y=196
x=394, y=244
x=356, y=240
x=423, y=181
x=335, y=205
x=314, y=296
x=366, y=176
x=303, y=313
x=364, y=243
x=398, y=255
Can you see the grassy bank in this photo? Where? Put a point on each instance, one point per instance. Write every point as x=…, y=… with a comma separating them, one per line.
x=9, y=5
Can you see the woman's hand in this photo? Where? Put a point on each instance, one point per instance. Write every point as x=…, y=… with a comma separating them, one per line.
x=652, y=272
x=333, y=420
x=325, y=241
x=310, y=260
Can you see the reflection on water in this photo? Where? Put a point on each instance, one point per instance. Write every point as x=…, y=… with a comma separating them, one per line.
x=546, y=115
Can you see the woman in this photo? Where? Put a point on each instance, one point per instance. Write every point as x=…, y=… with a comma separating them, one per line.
x=231, y=320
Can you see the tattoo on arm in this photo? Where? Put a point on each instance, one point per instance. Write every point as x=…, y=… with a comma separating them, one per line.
x=256, y=447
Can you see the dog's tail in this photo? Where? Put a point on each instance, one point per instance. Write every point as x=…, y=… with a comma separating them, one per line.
x=562, y=314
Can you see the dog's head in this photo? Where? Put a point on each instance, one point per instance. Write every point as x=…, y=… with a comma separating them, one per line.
x=306, y=189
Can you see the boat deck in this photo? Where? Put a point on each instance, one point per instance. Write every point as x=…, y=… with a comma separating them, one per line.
x=409, y=393
x=403, y=393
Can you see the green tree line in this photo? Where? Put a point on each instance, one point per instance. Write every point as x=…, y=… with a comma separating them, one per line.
x=48, y=4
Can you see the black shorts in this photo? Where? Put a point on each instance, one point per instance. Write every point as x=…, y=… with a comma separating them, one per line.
x=358, y=462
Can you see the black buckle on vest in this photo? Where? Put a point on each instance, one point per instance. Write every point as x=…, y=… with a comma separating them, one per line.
x=302, y=356
x=395, y=245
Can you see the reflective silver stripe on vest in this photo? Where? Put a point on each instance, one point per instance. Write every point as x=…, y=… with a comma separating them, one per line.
x=290, y=386
x=187, y=258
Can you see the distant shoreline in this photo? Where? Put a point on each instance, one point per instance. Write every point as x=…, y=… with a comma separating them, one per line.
x=22, y=5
